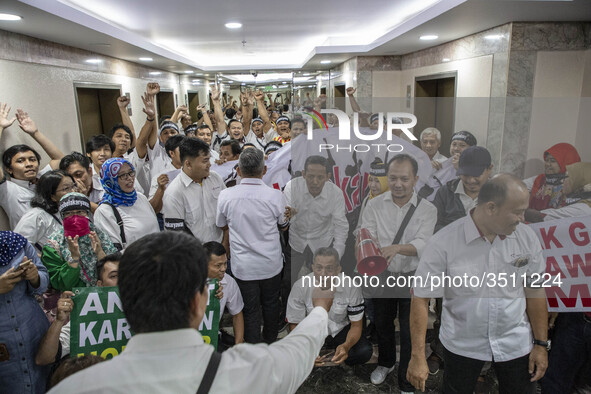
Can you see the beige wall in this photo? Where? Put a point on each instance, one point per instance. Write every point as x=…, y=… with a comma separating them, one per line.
x=472, y=91
x=47, y=94
x=558, y=112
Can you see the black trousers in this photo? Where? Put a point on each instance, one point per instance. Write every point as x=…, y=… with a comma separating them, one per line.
x=261, y=295
x=461, y=373
x=385, y=311
x=360, y=353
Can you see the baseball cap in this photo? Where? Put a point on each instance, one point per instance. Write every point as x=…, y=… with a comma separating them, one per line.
x=473, y=161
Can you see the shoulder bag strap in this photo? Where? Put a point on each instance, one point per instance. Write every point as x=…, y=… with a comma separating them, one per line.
x=405, y=221
x=210, y=372
x=119, y=223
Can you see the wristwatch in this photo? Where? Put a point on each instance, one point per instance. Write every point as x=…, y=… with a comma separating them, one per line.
x=547, y=344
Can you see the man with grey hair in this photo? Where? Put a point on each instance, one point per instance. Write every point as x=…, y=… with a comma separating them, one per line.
x=254, y=214
x=430, y=143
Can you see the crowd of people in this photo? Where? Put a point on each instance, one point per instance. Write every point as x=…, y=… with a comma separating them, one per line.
x=162, y=212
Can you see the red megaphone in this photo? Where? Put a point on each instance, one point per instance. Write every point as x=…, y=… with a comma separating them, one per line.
x=369, y=256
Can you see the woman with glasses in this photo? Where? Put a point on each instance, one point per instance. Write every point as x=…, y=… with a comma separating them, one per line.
x=71, y=253
x=123, y=214
x=38, y=223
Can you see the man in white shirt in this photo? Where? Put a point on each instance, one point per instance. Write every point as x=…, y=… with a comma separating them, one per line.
x=430, y=143
x=317, y=209
x=453, y=201
x=505, y=322
x=203, y=132
x=254, y=213
x=345, y=318
x=190, y=201
x=21, y=162
x=160, y=181
x=383, y=217
x=231, y=298
x=167, y=353
x=160, y=162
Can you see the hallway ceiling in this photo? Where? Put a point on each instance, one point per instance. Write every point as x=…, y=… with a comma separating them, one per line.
x=191, y=36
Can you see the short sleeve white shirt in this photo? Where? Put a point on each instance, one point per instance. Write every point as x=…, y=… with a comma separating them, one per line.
x=160, y=162
x=138, y=220
x=347, y=306
x=252, y=211
x=16, y=196
x=488, y=321
x=382, y=217
x=232, y=298
x=188, y=203
x=467, y=201
x=36, y=225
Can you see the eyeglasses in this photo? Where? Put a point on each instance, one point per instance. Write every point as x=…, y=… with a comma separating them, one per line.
x=127, y=175
x=70, y=188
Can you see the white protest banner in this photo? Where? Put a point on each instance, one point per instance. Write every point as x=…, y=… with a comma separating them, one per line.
x=567, y=251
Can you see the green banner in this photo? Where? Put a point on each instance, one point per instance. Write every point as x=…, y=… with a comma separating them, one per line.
x=98, y=325
x=210, y=325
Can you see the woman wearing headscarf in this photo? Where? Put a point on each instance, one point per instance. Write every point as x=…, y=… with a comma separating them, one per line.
x=71, y=254
x=42, y=221
x=547, y=190
x=123, y=214
x=22, y=321
x=577, y=183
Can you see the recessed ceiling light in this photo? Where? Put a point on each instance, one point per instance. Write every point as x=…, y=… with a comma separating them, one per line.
x=207, y=75
x=494, y=36
x=10, y=17
x=146, y=59
x=445, y=59
x=325, y=62
x=93, y=61
x=306, y=74
x=199, y=74
x=188, y=72
x=155, y=73
x=429, y=37
x=233, y=25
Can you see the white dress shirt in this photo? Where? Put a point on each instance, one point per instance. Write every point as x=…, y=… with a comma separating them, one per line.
x=188, y=203
x=252, y=211
x=438, y=157
x=138, y=220
x=36, y=225
x=154, y=184
x=160, y=162
x=232, y=298
x=319, y=220
x=175, y=361
x=16, y=196
x=382, y=217
x=467, y=201
x=347, y=305
x=487, y=321
x=260, y=143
